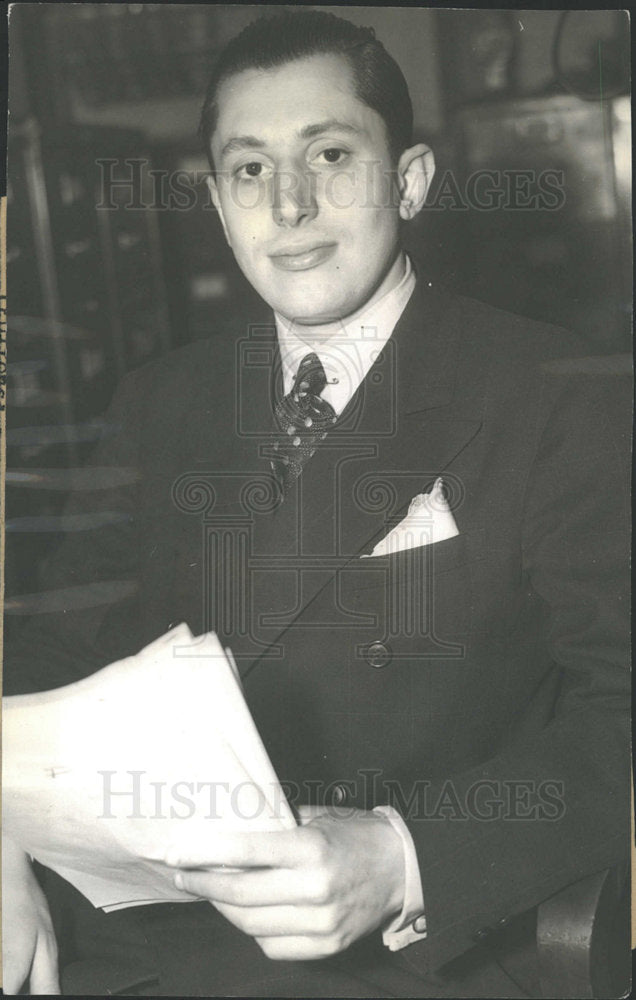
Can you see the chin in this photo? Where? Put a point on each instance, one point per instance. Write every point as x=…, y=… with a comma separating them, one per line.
x=314, y=309
x=308, y=315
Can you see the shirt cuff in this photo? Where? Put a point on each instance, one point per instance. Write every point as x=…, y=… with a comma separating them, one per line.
x=409, y=925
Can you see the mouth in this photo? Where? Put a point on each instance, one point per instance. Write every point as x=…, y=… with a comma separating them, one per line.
x=303, y=260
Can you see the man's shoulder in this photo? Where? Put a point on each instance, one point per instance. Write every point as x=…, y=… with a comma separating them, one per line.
x=202, y=367
x=496, y=333
x=199, y=359
x=525, y=363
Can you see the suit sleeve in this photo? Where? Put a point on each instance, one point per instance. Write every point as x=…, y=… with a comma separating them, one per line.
x=478, y=874
x=87, y=586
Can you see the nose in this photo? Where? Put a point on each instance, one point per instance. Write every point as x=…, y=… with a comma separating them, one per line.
x=294, y=198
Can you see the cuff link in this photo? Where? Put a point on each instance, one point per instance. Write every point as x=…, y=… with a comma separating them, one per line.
x=339, y=796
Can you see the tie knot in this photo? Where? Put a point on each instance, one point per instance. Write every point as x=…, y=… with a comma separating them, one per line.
x=311, y=378
x=303, y=419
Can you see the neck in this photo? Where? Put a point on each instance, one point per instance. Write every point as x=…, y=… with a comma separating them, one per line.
x=315, y=334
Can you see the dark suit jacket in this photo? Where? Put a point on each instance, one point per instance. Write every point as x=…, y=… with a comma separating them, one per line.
x=478, y=684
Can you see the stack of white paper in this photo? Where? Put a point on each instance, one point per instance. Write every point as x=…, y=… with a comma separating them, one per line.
x=156, y=750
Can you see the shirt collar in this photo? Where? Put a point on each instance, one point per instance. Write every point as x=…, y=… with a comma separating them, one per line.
x=349, y=354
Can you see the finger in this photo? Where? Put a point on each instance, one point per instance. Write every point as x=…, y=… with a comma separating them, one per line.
x=276, y=849
x=13, y=975
x=44, y=977
x=266, y=887
x=282, y=921
x=308, y=813
x=300, y=948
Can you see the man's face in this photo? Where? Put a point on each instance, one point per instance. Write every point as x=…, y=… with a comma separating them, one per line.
x=304, y=187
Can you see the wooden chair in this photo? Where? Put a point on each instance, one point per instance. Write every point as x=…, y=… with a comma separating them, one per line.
x=583, y=938
x=582, y=946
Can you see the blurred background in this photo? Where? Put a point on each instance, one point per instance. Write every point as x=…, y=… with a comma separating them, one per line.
x=114, y=90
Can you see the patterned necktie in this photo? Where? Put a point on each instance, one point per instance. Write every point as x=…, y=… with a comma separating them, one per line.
x=303, y=419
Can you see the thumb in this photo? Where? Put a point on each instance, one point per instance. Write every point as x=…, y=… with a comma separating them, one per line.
x=308, y=813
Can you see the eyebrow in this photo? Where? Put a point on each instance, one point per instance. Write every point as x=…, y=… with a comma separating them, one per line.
x=241, y=142
x=310, y=131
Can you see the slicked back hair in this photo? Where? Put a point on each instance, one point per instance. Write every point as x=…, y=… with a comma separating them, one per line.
x=270, y=42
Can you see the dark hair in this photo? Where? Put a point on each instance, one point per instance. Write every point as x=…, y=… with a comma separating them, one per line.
x=269, y=42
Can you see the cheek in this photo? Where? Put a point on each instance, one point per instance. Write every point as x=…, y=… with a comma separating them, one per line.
x=370, y=236
x=246, y=196
x=246, y=235
x=340, y=193
x=246, y=212
x=374, y=190
x=363, y=213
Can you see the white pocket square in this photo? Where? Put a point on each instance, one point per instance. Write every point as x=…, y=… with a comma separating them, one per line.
x=429, y=520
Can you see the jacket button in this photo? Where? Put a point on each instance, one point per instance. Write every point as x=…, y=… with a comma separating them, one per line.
x=419, y=924
x=339, y=795
x=378, y=655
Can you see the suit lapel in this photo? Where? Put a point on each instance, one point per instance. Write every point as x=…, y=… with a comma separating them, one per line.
x=424, y=427
x=369, y=458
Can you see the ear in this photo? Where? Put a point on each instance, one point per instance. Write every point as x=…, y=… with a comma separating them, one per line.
x=216, y=201
x=415, y=171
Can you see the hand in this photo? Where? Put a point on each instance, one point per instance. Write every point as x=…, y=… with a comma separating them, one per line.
x=29, y=949
x=304, y=893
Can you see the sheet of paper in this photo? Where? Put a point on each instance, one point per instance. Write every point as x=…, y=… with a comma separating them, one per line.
x=159, y=749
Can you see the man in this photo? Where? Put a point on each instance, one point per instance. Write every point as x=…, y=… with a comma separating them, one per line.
x=475, y=685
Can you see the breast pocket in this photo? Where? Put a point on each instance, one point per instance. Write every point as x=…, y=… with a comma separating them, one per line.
x=418, y=602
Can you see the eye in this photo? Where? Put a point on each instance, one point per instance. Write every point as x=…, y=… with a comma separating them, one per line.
x=333, y=154
x=252, y=170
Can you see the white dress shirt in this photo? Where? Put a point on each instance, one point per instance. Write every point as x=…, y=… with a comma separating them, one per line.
x=347, y=350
